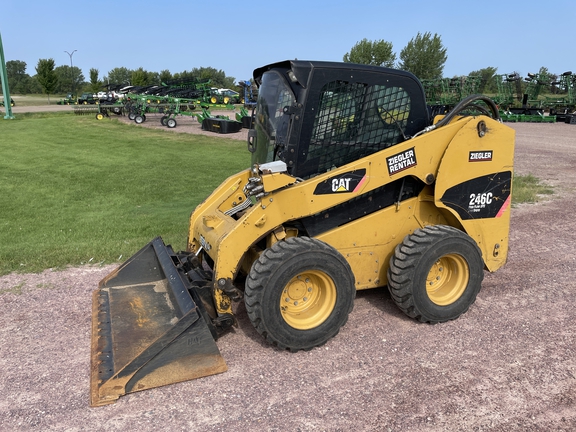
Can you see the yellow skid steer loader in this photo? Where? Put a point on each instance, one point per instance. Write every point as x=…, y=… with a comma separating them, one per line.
x=355, y=183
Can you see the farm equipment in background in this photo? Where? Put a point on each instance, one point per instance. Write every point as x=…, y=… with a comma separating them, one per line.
x=70, y=99
x=12, y=103
x=87, y=104
x=564, y=107
x=245, y=118
x=250, y=94
x=107, y=107
x=179, y=97
x=506, y=86
x=448, y=92
x=224, y=96
x=526, y=106
x=352, y=186
x=87, y=99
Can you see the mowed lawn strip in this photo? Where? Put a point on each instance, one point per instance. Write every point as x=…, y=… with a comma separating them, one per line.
x=75, y=190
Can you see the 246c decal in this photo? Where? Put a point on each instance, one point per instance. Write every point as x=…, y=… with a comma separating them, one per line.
x=478, y=201
x=482, y=197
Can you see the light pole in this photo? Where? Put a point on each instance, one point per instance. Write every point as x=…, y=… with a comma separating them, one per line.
x=71, y=68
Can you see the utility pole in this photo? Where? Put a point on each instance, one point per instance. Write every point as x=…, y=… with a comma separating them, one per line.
x=71, y=69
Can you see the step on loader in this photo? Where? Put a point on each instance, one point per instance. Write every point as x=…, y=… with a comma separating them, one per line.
x=354, y=184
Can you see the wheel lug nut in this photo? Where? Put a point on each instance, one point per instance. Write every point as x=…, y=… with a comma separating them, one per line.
x=295, y=303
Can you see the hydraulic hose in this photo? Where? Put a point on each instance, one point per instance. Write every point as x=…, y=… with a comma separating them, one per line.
x=465, y=104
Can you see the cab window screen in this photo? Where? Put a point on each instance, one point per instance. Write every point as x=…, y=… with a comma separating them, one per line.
x=354, y=120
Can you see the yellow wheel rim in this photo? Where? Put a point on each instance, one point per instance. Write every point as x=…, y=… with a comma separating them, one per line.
x=226, y=100
x=447, y=279
x=308, y=300
x=213, y=100
x=100, y=117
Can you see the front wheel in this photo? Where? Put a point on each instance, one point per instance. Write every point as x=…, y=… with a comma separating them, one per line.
x=299, y=293
x=435, y=274
x=171, y=123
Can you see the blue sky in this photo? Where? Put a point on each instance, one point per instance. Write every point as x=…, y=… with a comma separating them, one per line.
x=238, y=37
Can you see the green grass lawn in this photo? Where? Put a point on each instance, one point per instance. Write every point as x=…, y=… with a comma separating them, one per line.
x=528, y=189
x=75, y=190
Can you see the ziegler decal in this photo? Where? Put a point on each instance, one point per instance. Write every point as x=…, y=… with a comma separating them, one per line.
x=480, y=156
x=342, y=183
x=401, y=161
x=482, y=197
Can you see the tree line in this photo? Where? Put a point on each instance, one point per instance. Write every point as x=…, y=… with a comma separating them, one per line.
x=50, y=79
x=424, y=56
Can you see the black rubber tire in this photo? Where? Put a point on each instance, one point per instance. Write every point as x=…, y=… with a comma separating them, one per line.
x=171, y=123
x=163, y=120
x=271, y=273
x=417, y=258
x=131, y=116
x=139, y=119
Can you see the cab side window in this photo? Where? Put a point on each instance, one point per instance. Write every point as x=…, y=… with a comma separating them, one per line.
x=354, y=120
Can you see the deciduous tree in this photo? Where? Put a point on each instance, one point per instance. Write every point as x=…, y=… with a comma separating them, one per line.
x=46, y=76
x=377, y=53
x=424, y=56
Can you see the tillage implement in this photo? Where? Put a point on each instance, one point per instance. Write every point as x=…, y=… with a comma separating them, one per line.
x=352, y=186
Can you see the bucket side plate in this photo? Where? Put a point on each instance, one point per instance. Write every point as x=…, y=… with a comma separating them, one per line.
x=141, y=336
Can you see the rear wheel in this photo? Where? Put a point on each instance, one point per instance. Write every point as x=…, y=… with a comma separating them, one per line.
x=299, y=293
x=131, y=116
x=163, y=120
x=435, y=274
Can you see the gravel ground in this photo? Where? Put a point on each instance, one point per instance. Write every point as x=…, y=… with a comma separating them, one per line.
x=508, y=364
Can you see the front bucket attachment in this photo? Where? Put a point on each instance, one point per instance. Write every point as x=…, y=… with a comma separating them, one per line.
x=147, y=330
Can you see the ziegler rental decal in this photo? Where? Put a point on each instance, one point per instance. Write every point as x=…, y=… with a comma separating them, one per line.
x=480, y=156
x=401, y=161
x=347, y=182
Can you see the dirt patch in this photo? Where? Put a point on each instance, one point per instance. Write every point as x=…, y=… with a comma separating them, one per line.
x=508, y=364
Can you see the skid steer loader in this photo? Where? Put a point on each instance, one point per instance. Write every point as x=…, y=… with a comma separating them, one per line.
x=354, y=184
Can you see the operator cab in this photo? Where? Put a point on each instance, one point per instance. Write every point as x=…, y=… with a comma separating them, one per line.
x=317, y=116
